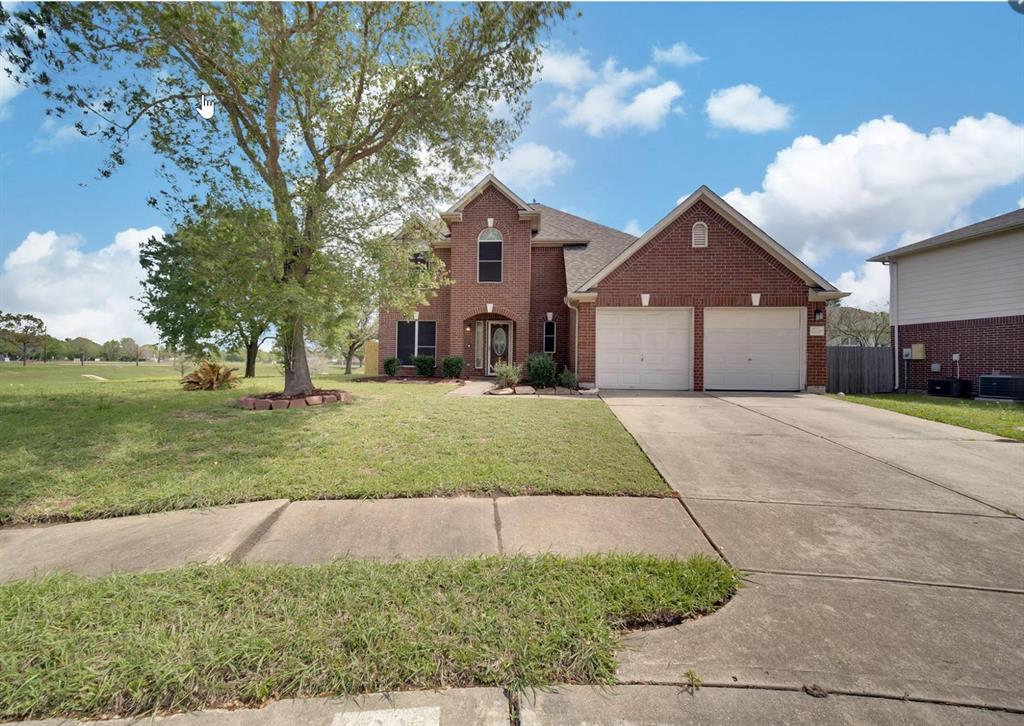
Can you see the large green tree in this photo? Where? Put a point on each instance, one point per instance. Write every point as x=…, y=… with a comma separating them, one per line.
x=347, y=333
x=338, y=117
x=213, y=282
x=23, y=331
x=83, y=348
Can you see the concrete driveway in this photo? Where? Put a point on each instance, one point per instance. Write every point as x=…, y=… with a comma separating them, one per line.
x=883, y=552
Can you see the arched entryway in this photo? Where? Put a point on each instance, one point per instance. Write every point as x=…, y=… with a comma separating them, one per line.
x=489, y=338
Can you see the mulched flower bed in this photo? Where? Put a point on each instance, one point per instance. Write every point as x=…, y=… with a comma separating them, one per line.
x=278, y=401
x=409, y=379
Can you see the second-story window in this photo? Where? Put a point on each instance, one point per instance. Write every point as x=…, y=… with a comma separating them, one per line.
x=488, y=255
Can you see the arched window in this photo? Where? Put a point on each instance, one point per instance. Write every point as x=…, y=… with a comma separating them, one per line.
x=488, y=256
x=700, y=234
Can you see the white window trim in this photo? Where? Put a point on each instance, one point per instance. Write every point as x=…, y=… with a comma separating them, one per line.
x=693, y=234
x=415, y=339
x=501, y=260
x=544, y=336
x=479, y=343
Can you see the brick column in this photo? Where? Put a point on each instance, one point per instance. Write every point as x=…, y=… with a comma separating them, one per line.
x=817, y=355
x=586, y=345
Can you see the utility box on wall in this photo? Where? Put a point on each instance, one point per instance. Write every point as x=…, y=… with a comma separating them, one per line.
x=917, y=351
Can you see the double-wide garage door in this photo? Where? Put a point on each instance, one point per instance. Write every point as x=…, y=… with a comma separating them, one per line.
x=753, y=349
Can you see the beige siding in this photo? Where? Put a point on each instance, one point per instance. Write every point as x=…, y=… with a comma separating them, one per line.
x=979, y=279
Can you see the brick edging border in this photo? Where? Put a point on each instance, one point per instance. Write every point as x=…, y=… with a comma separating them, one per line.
x=254, y=403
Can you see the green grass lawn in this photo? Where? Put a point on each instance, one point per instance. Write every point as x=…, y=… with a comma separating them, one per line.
x=1001, y=419
x=224, y=635
x=75, y=448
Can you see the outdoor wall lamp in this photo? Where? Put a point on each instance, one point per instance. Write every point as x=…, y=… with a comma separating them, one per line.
x=819, y=314
x=416, y=315
x=645, y=298
x=469, y=329
x=551, y=316
x=755, y=299
x=490, y=307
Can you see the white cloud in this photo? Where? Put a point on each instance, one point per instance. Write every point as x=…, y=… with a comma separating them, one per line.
x=77, y=292
x=54, y=136
x=1020, y=203
x=679, y=54
x=881, y=183
x=531, y=165
x=8, y=88
x=620, y=99
x=633, y=227
x=568, y=70
x=746, y=108
x=868, y=287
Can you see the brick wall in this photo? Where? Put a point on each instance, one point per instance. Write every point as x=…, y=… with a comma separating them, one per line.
x=723, y=274
x=585, y=370
x=547, y=294
x=985, y=345
x=438, y=309
x=510, y=297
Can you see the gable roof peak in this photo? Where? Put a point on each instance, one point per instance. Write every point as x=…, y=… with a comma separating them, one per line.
x=479, y=188
x=705, y=193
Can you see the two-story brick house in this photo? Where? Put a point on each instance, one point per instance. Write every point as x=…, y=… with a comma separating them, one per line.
x=703, y=300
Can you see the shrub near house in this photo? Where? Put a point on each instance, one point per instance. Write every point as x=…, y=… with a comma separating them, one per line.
x=702, y=300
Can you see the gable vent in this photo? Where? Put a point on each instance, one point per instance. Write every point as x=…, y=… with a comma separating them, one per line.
x=700, y=235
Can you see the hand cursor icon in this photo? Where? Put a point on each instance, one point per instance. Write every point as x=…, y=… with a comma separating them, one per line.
x=205, y=107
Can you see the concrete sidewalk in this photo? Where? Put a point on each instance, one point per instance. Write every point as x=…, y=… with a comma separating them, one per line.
x=311, y=532
x=635, y=705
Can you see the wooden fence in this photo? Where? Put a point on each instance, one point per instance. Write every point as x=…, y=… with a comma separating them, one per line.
x=852, y=369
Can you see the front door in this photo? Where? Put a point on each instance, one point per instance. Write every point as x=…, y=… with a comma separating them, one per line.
x=499, y=344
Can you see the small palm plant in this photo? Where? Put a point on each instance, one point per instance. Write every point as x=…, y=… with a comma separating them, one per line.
x=210, y=376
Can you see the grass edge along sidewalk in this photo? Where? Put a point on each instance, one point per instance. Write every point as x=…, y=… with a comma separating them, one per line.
x=223, y=635
x=74, y=449
x=1000, y=418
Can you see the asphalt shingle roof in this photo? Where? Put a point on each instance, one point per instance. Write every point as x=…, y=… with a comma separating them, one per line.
x=598, y=244
x=989, y=226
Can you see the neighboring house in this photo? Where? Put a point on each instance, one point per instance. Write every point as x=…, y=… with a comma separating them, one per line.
x=848, y=326
x=960, y=293
x=703, y=300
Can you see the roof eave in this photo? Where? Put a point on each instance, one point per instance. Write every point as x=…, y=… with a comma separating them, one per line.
x=479, y=188
x=787, y=258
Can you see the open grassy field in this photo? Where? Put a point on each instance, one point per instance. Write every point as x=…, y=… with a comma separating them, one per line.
x=208, y=636
x=76, y=448
x=1001, y=419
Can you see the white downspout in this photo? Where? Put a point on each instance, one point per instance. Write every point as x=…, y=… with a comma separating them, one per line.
x=575, y=337
x=894, y=321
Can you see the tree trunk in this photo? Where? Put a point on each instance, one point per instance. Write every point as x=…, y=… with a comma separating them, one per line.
x=251, y=349
x=24, y=354
x=296, y=370
x=348, y=364
x=82, y=359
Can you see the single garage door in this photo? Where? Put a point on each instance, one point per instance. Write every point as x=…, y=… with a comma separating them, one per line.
x=753, y=349
x=644, y=348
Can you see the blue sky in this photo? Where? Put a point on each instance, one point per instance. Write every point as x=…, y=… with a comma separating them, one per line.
x=840, y=128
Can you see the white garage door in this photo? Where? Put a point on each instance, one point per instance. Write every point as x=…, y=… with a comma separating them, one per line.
x=753, y=349
x=644, y=348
